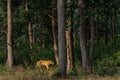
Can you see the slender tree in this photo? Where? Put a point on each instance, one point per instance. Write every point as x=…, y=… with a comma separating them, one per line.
x=29, y=27
x=69, y=50
x=61, y=38
x=69, y=35
x=82, y=30
x=54, y=32
x=91, y=54
x=9, y=62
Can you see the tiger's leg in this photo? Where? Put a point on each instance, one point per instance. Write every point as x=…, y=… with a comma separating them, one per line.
x=47, y=67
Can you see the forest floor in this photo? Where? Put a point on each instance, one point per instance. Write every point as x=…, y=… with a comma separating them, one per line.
x=19, y=73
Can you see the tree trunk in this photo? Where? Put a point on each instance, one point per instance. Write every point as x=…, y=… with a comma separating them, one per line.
x=69, y=36
x=9, y=62
x=74, y=38
x=97, y=29
x=85, y=61
x=55, y=43
x=69, y=50
x=61, y=38
x=29, y=29
x=91, y=55
x=113, y=29
x=30, y=35
x=83, y=48
x=107, y=23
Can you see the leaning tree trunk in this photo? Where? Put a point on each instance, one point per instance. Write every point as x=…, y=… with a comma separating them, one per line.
x=9, y=62
x=61, y=38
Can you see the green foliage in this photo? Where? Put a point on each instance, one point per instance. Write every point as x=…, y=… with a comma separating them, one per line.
x=31, y=56
x=56, y=73
x=117, y=55
x=107, y=58
x=2, y=56
x=38, y=54
x=4, y=69
x=21, y=53
x=107, y=66
x=109, y=71
x=73, y=72
x=77, y=55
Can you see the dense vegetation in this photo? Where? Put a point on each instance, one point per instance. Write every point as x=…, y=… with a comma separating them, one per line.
x=35, y=28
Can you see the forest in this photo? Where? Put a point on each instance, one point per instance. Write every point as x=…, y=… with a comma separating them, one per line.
x=59, y=39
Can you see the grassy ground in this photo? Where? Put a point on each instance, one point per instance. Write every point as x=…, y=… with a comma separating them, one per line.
x=19, y=73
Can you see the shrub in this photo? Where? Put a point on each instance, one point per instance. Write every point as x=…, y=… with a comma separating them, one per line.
x=73, y=72
x=107, y=66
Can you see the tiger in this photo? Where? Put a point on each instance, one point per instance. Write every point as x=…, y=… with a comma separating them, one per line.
x=45, y=63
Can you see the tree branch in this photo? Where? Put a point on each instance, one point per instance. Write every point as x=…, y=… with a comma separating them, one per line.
x=3, y=31
x=48, y=15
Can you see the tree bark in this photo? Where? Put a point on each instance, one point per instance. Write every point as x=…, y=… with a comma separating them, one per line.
x=113, y=29
x=55, y=43
x=30, y=35
x=9, y=62
x=91, y=55
x=83, y=49
x=69, y=50
x=85, y=61
x=69, y=36
x=61, y=38
x=97, y=29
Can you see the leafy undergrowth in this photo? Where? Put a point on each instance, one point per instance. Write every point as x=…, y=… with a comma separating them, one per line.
x=19, y=73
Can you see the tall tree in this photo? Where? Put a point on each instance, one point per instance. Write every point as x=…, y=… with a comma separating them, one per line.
x=91, y=54
x=9, y=62
x=54, y=32
x=61, y=38
x=69, y=35
x=69, y=50
x=85, y=61
x=29, y=27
